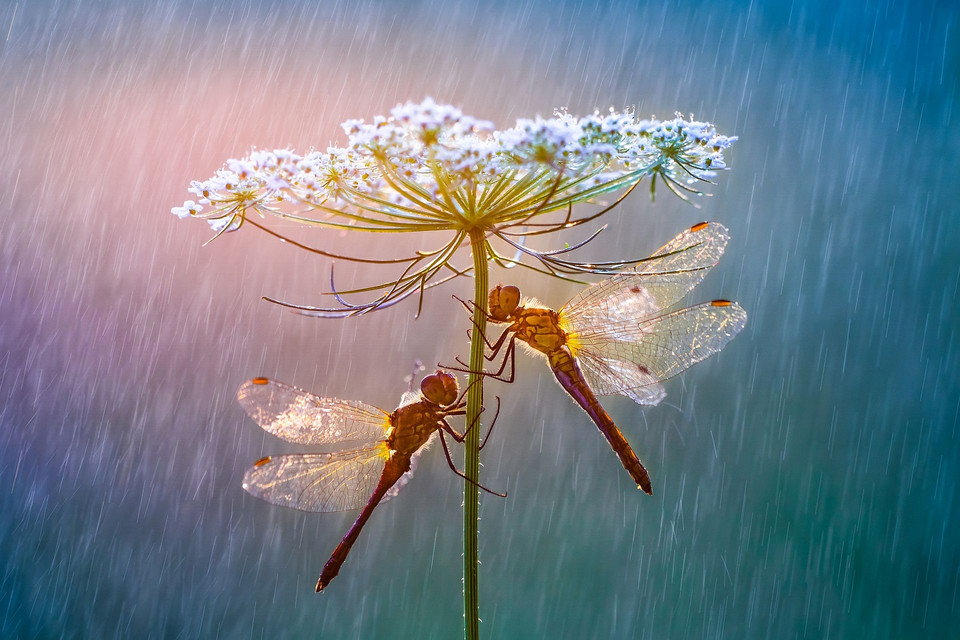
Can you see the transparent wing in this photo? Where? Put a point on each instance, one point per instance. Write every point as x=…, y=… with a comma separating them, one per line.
x=608, y=377
x=697, y=248
x=631, y=359
x=653, y=285
x=409, y=397
x=316, y=481
x=299, y=416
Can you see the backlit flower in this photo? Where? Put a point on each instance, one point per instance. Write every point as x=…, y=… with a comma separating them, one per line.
x=429, y=167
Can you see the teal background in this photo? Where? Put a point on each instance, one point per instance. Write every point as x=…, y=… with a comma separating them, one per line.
x=805, y=479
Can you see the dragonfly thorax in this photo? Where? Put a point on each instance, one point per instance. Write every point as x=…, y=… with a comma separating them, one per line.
x=540, y=328
x=412, y=425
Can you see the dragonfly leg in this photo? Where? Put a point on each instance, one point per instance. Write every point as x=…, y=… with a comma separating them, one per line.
x=461, y=437
x=453, y=467
x=463, y=368
x=470, y=306
x=454, y=409
x=460, y=404
x=466, y=367
x=498, y=375
x=457, y=437
x=490, y=428
x=466, y=305
x=509, y=356
x=494, y=347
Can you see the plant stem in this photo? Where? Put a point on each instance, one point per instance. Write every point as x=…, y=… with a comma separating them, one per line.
x=471, y=496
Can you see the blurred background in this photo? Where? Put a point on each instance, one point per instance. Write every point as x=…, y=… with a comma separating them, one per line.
x=805, y=479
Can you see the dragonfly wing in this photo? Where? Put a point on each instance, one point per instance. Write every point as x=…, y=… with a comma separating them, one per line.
x=655, y=284
x=299, y=416
x=697, y=248
x=409, y=397
x=316, y=481
x=632, y=358
x=615, y=377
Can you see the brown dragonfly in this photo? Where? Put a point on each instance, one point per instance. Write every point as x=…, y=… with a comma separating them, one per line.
x=616, y=337
x=387, y=446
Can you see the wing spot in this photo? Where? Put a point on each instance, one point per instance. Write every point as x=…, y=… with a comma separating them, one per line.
x=721, y=303
x=643, y=369
x=261, y=462
x=260, y=381
x=635, y=289
x=700, y=226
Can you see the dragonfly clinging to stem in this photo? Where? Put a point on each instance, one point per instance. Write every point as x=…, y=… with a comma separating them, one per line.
x=615, y=337
x=387, y=447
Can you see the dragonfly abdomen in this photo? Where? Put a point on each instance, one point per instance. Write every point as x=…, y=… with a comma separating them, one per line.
x=395, y=468
x=570, y=377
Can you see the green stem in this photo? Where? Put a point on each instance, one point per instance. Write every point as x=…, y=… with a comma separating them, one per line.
x=471, y=496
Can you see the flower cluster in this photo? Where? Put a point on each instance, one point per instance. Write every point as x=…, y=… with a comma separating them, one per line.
x=428, y=166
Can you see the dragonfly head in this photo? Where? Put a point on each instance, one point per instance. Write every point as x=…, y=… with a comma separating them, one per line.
x=503, y=302
x=440, y=388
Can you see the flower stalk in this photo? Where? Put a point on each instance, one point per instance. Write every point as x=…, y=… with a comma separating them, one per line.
x=471, y=497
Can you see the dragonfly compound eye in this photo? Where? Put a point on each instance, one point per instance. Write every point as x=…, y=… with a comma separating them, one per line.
x=440, y=388
x=504, y=301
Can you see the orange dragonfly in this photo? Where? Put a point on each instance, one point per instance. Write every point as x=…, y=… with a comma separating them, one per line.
x=616, y=338
x=388, y=446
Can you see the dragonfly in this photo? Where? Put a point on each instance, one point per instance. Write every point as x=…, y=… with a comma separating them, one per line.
x=617, y=337
x=386, y=449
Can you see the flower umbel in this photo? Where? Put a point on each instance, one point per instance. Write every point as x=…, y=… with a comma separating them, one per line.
x=429, y=167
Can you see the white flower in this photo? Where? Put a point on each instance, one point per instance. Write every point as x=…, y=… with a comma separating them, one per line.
x=428, y=162
x=243, y=169
x=276, y=182
x=189, y=208
x=226, y=179
x=262, y=161
x=231, y=222
x=206, y=189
